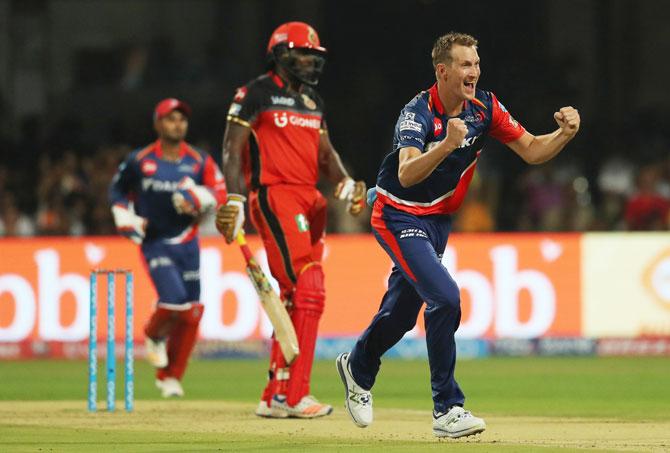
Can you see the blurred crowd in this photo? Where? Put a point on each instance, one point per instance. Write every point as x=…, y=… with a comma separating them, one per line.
x=65, y=193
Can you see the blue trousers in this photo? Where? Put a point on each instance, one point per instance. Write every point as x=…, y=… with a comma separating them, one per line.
x=415, y=244
x=174, y=270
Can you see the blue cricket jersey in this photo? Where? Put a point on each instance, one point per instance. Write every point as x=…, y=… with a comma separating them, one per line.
x=422, y=124
x=148, y=180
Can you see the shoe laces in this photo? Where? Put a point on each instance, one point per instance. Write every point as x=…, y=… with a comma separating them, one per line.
x=363, y=398
x=453, y=414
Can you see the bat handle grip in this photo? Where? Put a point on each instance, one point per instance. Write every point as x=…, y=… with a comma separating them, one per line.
x=243, y=246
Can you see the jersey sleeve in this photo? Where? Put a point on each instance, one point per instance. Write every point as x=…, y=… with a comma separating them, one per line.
x=412, y=128
x=245, y=106
x=212, y=178
x=504, y=127
x=121, y=189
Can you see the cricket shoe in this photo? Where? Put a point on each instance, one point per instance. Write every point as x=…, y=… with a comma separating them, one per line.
x=357, y=400
x=456, y=423
x=265, y=410
x=156, y=352
x=307, y=407
x=170, y=387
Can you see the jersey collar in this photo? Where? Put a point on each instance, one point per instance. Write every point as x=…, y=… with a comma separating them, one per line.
x=434, y=100
x=276, y=79
x=183, y=149
x=435, y=103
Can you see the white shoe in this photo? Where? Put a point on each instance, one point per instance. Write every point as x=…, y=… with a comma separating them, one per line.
x=457, y=423
x=357, y=400
x=307, y=407
x=170, y=387
x=263, y=410
x=156, y=352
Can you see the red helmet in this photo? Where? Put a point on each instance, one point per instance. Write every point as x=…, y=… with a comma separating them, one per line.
x=296, y=35
x=289, y=44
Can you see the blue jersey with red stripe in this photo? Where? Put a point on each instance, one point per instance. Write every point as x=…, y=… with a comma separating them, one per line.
x=422, y=124
x=148, y=180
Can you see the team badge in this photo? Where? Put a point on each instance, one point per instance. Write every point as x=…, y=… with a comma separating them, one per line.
x=309, y=103
x=149, y=167
x=437, y=126
x=311, y=37
x=301, y=221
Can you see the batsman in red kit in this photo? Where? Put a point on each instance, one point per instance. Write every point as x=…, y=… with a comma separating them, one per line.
x=158, y=196
x=276, y=136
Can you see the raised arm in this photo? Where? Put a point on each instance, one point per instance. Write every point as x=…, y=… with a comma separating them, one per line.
x=415, y=166
x=541, y=148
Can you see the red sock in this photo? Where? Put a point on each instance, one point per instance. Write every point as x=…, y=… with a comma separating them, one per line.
x=181, y=342
x=161, y=323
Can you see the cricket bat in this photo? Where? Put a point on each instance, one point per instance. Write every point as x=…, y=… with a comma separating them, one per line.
x=274, y=307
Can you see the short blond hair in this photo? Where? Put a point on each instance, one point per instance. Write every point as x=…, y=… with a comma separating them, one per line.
x=442, y=48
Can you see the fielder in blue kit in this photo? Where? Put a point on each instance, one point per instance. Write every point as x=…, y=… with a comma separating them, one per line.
x=438, y=140
x=158, y=197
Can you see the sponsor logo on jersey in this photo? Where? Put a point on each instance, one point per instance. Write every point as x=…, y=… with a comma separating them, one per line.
x=437, y=126
x=410, y=116
x=282, y=119
x=234, y=109
x=148, y=167
x=188, y=168
x=410, y=125
x=469, y=141
x=158, y=185
x=282, y=100
x=240, y=94
x=309, y=103
x=411, y=137
x=478, y=117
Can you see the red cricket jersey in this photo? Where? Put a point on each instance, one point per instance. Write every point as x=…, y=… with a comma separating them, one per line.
x=286, y=129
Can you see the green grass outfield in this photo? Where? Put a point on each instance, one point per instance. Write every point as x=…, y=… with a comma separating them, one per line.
x=530, y=404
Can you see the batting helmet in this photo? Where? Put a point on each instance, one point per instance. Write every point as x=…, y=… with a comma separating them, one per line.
x=295, y=47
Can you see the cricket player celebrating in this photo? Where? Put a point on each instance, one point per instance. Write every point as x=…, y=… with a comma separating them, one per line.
x=438, y=139
x=158, y=196
x=277, y=138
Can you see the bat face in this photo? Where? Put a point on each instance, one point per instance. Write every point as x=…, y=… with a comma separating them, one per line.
x=258, y=277
x=276, y=311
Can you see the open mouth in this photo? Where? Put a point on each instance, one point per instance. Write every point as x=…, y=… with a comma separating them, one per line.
x=469, y=85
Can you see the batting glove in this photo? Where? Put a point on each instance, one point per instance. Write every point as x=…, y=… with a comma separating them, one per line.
x=129, y=224
x=230, y=216
x=353, y=192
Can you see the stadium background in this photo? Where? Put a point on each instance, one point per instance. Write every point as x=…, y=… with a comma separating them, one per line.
x=78, y=81
x=542, y=254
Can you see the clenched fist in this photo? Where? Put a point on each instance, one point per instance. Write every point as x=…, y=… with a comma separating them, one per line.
x=568, y=120
x=230, y=217
x=456, y=132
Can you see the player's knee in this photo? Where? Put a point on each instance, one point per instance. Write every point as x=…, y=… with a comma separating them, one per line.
x=310, y=292
x=193, y=314
x=447, y=297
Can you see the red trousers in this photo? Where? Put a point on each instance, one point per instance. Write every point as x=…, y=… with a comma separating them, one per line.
x=291, y=221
